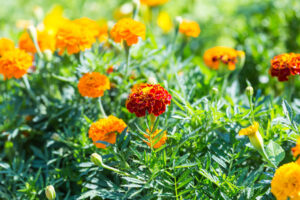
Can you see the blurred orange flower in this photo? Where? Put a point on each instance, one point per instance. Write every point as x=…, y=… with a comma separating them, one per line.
x=225, y=55
x=156, y=142
x=128, y=30
x=93, y=85
x=106, y=130
x=153, y=2
x=74, y=38
x=189, y=28
x=296, y=149
x=285, y=65
x=151, y=98
x=15, y=63
x=46, y=41
x=6, y=45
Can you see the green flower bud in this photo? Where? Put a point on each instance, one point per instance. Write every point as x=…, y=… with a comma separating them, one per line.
x=215, y=91
x=249, y=91
x=97, y=159
x=48, y=55
x=50, y=192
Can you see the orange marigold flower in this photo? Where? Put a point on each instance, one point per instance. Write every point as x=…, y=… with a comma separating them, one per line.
x=93, y=84
x=296, y=149
x=151, y=98
x=128, y=30
x=284, y=65
x=153, y=2
x=189, y=28
x=74, y=38
x=286, y=182
x=15, y=63
x=106, y=130
x=156, y=141
x=6, y=45
x=46, y=41
x=225, y=55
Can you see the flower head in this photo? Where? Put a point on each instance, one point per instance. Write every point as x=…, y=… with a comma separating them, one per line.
x=128, y=30
x=157, y=139
x=254, y=136
x=15, y=63
x=228, y=56
x=286, y=182
x=50, y=192
x=189, y=28
x=6, y=45
x=106, y=130
x=251, y=130
x=153, y=2
x=45, y=41
x=74, y=38
x=54, y=20
x=93, y=84
x=151, y=98
x=164, y=21
x=285, y=65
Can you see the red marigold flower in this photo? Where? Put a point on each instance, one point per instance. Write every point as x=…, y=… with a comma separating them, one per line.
x=285, y=65
x=106, y=130
x=151, y=98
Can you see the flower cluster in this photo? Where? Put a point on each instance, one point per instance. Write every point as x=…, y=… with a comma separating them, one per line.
x=128, y=30
x=93, y=84
x=151, y=98
x=106, y=130
x=285, y=65
x=189, y=28
x=6, y=45
x=15, y=63
x=228, y=56
x=157, y=139
x=153, y=2
x=286, y=182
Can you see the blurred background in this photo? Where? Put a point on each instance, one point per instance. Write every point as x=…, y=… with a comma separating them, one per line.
x=262, y=28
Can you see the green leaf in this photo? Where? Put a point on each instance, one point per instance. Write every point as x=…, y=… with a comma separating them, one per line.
x=275, y=153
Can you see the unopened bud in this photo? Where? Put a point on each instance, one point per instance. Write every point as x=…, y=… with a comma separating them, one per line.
x=55, y=137
x=97, y=159
x=38, y=12
x=249, y=91
x=50, y=192
x=215, y=91
x=32, y=33
x=48, y=55
x=152, y=80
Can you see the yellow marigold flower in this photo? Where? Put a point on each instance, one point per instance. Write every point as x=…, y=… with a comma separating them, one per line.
x=128, y=30
x=74, y=38
x=164, y=21
x=44, y=39
x=15, y=63
x=254, y=136
x=153, y=2
x=106, y=130
x=54, y=20
x=189, y=28
x=286, y=182
x=228, y=56
x=6, y=45
x=156, y=142
x=93, y=85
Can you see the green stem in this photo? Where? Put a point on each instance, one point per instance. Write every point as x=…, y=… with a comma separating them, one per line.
x=101, y=107
x=28, y=89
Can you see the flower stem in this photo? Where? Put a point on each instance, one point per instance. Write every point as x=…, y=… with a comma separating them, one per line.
x=127, y=55
x=101, y=107
x=28, y=89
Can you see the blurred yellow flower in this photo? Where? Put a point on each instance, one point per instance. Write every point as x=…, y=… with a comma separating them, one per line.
x=189, y=28
x=6, y=45
x=23, y=23
x=164, y=21
x=54, y=20
x=153, y=2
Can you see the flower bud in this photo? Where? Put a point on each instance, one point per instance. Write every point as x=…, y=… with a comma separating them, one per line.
x=97, y=159
x=254, y=136
x=38, y=13
x=249, y=91
x=50, y=192
x=32, y=33
x=152, y=80
x=48, y=55
x=55, y=137
x=215, y=91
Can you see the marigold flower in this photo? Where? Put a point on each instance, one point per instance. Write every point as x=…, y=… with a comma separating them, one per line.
x=164, y=21
x=254, y=136
x=15, y=63
x=156, y=142
x=153, y=2
x=286, y=182
x=93, y=85
x=45, y=41
x=54, y=20
x=285, y=65
x=296, y=149
x=6, y=45
x=128, y=30
x=225, y=55
x=106, y=130
x=74, y=38
x=151, y=98
x=189, y=28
